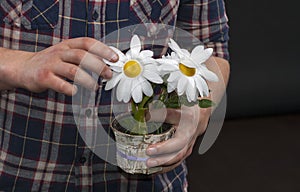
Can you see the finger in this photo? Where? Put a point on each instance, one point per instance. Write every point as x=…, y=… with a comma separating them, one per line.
x=93, y=46
x=170, y=159
x=88, y=61
x=172, y=164
x=160, y=160
x=65, y=70
x=182, y=138
x=167, y=159
x=76, y=74
x=60, y=85
x=170, y=146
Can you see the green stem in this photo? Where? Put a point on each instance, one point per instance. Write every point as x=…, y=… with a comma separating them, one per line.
x=133, y=107
x=144, y=101
x=139, y=115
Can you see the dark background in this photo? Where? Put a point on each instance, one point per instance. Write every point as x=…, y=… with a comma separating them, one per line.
x=258, y=148
x=265, y=51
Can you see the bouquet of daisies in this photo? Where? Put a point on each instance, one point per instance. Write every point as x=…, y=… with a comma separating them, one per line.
x=181, y=77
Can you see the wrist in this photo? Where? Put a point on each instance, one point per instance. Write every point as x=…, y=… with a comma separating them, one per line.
x=10, y=67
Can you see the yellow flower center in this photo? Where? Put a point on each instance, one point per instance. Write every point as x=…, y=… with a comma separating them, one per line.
x=188, y=71
x=132, y=68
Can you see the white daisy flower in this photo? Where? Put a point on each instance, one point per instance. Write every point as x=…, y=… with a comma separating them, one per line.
x=133, y=72
x=187, y=71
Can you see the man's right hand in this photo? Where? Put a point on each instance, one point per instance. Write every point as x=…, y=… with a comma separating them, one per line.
x=47, y=69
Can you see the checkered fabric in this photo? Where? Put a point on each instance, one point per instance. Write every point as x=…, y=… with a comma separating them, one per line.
x=41, y=148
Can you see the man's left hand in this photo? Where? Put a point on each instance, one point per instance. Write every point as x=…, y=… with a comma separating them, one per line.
x=190, y=122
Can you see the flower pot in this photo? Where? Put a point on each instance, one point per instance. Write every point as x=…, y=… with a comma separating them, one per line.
x=131, y=149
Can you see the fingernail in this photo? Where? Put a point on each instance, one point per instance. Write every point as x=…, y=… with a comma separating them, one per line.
x=114, y=57
x=107, y=74
x=151, y=151
x=152, y=163
x=75, y=89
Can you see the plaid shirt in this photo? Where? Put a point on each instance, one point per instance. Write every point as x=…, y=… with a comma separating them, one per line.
x=41, y=148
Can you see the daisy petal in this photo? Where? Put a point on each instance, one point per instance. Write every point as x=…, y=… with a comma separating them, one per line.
x=167, y=61
x=127, y=96
x=123, y=90
x=113, y=81
x=128, y=54
x=153, y=77
x=151, y=68
x=118, y=63
x=201, y=56
x=175, y=56
x=167, y=68
x=135, y=46
x=202, y=86
x=186, y=53
x=147, y=61
x=173, y=45
x=146, y=54
x=116, y=69
x=182, y=84
x=120, y=90
x=172, y=86
x=191, y=81
x=136, y=91
x=209, y=75
x=147, y=88
x=188, y=62
x=191, y=93
x=196, y=51
x=174, y=76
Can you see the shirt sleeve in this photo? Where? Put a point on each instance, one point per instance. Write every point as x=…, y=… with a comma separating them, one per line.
x=206, y=20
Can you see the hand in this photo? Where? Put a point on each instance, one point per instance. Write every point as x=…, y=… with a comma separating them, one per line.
x=48, y=69
x=190, y=122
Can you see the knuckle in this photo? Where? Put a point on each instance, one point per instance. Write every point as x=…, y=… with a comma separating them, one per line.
x=190, y=151
x=57, y=49
x=202, y=130
x=190, y=114
x=62, y=87
x=205, y=111
x=186, y=138
x=86, y=42
x=181, y=155
x=42, y=75
x=38, y=81
x=102, y=69
x=175, y=159
x=78, y=55
x=159, y=161
x=72, y=72
x=75, y=55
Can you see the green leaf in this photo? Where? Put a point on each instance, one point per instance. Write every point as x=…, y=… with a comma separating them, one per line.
x=206, y=103
x=172, y=101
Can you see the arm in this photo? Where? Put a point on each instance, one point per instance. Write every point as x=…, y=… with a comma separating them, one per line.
x=222, y=69
x=208, y=22
x=48, y=69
